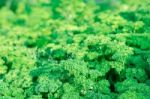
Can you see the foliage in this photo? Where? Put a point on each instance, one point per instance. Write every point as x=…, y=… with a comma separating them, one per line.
x=74, y=49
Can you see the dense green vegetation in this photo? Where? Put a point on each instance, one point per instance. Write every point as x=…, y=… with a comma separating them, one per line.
x=74, y=49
